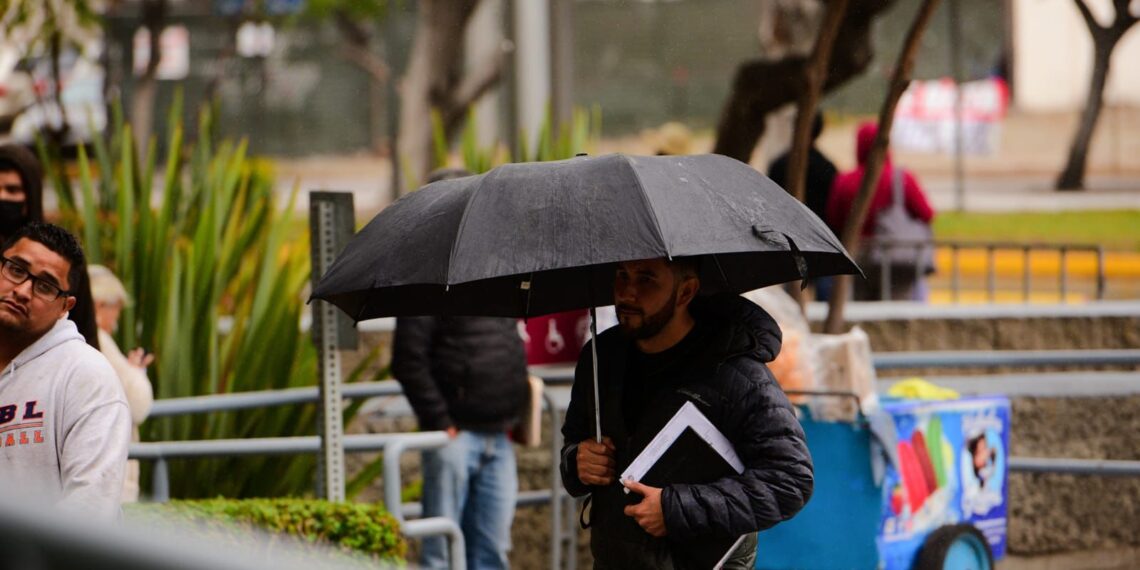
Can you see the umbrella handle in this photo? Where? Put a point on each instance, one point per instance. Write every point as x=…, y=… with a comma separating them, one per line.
x=594, y=361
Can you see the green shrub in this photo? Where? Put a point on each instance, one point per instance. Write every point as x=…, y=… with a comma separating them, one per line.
x=352, y=527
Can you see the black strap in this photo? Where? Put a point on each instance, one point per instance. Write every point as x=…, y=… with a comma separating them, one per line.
x=582, y=513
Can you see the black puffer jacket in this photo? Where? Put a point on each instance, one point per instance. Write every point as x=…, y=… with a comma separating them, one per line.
x=469, y=372
x=725, y=377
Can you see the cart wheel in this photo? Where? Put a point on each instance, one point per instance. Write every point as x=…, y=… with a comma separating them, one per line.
x=957, y=547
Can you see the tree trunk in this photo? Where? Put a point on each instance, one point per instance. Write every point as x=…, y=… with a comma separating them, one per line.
x=433, y=75
x=814, y=73
x=762, y=86
x=57, y=134
x=852, y=232
x=1073, y=176
x=1104, y=41
x=142, y=102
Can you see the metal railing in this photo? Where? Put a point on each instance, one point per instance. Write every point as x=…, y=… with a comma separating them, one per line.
x=394, y=444
x=991, y=250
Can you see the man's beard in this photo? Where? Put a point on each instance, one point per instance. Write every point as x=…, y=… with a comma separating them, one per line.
x=651, y=324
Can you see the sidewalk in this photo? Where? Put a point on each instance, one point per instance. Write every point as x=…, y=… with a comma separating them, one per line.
x=1018, y=177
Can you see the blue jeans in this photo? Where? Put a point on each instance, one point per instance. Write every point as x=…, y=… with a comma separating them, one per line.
x=473, y=481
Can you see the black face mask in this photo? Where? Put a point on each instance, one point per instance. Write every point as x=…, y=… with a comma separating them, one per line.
x=12, y=217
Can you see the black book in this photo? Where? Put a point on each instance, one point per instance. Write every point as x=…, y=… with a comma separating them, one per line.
x=689, y=450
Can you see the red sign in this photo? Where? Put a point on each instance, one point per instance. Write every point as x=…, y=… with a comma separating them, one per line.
x=557, y=338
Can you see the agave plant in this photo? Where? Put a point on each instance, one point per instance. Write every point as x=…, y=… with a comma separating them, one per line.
x=576, y=136
x=209, y=245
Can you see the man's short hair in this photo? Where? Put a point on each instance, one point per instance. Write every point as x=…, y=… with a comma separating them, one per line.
x=685, y=267
x=58, y=240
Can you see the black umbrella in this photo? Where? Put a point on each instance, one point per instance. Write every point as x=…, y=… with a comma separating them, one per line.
x=536, y=238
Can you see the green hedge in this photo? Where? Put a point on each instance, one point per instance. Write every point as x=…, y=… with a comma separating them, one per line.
x=356, y=528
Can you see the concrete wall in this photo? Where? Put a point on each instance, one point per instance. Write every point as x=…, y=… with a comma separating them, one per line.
x=1052, y=57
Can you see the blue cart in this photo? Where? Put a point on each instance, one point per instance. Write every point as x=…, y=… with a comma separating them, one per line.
x=939, y=500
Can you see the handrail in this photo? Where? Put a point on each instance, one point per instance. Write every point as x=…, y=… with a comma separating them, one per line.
x=996, y=358
x=562, y=375
x=1100, y=467
x=990, y=247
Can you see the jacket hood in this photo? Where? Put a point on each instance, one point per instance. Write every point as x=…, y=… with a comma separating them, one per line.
x=751, y=331
x=864, y=138
x=63, y=331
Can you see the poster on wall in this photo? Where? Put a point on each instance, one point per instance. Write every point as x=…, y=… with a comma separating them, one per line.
x=951, y=469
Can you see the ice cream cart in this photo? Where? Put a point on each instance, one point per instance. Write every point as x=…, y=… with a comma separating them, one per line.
x=920, y=484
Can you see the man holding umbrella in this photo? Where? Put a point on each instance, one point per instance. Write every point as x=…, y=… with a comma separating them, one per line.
x=673, y=347
x=530, y=239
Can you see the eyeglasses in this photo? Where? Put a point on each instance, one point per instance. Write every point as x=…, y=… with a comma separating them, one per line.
x=41, y=289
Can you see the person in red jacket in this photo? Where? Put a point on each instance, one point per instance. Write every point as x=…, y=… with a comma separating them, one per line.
x=904, y=284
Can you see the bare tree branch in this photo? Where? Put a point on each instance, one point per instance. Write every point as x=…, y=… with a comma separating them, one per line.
x=1087, y=15
x=852, y=231
x=474, y=84
x=372, y=64
x=762, y=86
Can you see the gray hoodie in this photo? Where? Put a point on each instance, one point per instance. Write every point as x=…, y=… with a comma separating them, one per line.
x=64, y=424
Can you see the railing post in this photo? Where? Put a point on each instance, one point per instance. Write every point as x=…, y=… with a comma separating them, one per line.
x=955, y=272
x=991, y=273
x=555, y=484
x=1064, y=274
x=160, y=486
x=1100, y=278
x=885, y=272
x=1026, y=274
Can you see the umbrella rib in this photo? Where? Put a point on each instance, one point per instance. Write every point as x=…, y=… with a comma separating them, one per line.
x=459, y=231
x=649, y=205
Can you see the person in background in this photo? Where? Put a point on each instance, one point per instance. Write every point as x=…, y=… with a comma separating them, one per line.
x=64, y=419
x=468, y=377
x=906, y=283
x=110, y=297
x=820, y=174
x=21, y=202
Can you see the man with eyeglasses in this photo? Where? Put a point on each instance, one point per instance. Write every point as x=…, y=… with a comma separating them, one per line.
x=64, y=421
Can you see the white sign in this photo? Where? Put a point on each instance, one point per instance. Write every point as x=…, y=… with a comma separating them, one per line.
x=175, y=59
x=924, y=119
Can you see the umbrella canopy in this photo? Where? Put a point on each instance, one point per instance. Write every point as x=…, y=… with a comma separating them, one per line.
x=535, y=238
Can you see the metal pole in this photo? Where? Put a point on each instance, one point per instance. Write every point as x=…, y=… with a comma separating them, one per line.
x=1100, y=278
x=955, y=272
x=325, y=230
x=160, y=487
x=885, y=275
x=555, y=484
x=594, y=361
x=956, y=63
x=991, y=273
x=1064, y=276
x=1025, y=284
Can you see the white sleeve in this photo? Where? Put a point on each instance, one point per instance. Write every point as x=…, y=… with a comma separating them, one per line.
x=93, y=451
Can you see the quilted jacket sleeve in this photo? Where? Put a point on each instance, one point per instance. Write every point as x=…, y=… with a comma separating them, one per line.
x=777, y=480
x=411, y=365
x=578, y=424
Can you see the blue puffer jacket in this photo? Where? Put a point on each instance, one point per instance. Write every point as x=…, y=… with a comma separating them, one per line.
x=724, y=375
